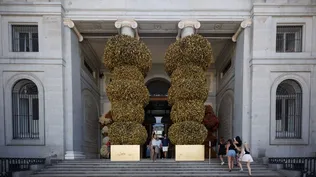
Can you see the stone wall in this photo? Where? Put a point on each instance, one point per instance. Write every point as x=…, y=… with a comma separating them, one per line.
x=269, y=68
x=45, y=69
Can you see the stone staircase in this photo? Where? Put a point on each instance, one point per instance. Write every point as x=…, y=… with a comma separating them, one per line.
x=146, y=168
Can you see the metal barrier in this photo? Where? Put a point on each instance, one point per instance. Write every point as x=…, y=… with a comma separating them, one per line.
x=9, y=165
x=306, y=165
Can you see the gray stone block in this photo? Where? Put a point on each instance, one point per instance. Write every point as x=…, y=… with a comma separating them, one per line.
x=22, y=174
x=36, y=167
x=290, y=173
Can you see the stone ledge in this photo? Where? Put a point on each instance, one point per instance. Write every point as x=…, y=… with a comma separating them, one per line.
x=36, y=167
x=290, y=173
x=33, y=168
x=22, y=173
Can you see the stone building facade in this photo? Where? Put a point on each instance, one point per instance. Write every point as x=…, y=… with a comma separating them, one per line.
x=262, y=85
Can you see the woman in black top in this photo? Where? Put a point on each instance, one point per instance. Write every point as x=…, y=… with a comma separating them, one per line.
x=221, y=149
x=238, y=143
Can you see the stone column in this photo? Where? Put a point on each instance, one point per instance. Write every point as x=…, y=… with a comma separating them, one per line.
x=127, y=27
x=187, y=28
x=242, y=90
x=73, y=118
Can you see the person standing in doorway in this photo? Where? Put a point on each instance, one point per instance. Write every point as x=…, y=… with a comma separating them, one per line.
x=165, y=145
x=221, y=149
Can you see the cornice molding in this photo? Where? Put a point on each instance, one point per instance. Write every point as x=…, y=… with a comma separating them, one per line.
x=264, y=9
x=143, y=15
x=34, y=8
x=30, y=3
x=283, y=62
x=284, y=4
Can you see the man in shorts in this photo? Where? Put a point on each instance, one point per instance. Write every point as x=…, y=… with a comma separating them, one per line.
x=165, y=145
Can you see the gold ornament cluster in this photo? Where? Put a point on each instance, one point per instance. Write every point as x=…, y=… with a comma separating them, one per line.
x=129, y=60
x=186, y=61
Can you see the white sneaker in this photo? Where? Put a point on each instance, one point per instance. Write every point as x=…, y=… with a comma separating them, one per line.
x=222, y=163
x=241, y=170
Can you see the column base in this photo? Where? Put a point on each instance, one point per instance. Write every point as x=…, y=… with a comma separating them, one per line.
x=72, y=155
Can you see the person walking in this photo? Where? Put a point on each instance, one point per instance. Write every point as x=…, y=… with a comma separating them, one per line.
x=245, y=157
x=231, y=154
x=165, y=145
x=155, y=147
x=151, y=146
x=237, y=141
x=221, y=150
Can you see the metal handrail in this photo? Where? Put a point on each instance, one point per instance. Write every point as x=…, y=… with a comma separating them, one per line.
x=10, y=165
x=306, y=165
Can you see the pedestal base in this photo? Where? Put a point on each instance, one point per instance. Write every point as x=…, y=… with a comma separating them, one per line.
x=125, y=152
x=190, y=153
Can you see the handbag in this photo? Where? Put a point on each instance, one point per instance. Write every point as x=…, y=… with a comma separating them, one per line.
x=156, y=149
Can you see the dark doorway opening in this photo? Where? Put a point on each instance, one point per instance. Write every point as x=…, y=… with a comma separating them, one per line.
x=158, y=87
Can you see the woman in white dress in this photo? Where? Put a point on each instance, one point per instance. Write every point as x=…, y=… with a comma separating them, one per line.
x=245, y=157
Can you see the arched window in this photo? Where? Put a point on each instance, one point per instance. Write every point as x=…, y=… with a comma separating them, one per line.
x=288, y=110
x=25, y=110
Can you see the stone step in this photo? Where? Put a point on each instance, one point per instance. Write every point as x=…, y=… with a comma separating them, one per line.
x=148, y=165
x=147, y=168
x=142, y=169
x=142, y=161
x=144, y=172
x=164, y=175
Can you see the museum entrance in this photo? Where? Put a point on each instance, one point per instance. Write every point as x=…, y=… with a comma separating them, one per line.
x=157, y=114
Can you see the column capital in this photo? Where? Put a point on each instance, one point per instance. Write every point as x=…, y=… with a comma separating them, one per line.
x=187, y=27
x=68, y=22
x=127, y=27
x=126, y=23
x=244, y=24
x=189, y=23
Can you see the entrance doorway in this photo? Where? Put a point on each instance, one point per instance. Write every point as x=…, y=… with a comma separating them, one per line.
x=157, y=113
x=157, y=120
